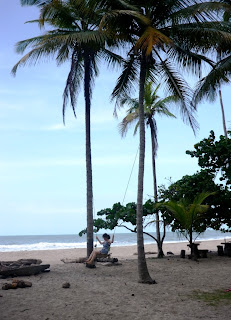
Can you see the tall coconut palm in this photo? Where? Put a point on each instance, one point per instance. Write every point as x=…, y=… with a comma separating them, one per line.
x=171, y=31
x=153, y=105
x=74, y=37
x=209, y=86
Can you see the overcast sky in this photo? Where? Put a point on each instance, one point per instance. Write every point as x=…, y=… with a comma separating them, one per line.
x=42, y=163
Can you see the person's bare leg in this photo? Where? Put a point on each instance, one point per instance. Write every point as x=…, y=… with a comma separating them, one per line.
x=92, y=257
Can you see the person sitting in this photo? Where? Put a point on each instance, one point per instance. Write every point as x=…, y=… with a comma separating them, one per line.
x=106, y=247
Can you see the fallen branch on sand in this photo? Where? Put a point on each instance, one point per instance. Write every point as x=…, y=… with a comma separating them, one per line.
x=20, y=262
x=78, y=260
x=22, y=267
x=83, y=259
x=148, y=252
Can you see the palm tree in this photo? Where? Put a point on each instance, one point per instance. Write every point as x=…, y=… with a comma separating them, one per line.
x=153, y=105
x=188, y=214
x=209, y=86
x=74, y=37
x=168, y=33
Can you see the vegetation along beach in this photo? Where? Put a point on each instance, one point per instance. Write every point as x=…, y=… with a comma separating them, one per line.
x=115, y=159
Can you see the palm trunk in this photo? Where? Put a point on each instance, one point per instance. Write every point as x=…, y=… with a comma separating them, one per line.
x=159, y=242
x=87, y=96
x=223, y=114
x=143, y=273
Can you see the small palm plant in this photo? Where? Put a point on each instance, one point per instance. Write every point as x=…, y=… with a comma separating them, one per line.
x=188, y=214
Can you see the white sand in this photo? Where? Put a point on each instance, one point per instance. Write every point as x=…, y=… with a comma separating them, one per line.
x=114, y=292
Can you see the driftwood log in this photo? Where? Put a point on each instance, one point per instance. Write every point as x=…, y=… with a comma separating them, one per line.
x=20, y=262
x=112, y=264
x=22, y=267
x=83, y=259
x=109, y=260
x=78, y=260
x=148, y=252
x=24, y=270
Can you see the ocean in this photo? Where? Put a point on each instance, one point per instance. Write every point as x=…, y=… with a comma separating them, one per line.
x=52, y=242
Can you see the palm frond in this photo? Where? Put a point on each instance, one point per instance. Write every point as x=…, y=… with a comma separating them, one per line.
x=63, y=54
x=208, y=87
x=73, y=82
x=198, y=12
x=202, y=196
x=179, y=88
x=149, y=38
x=211, y=34
x=132, y=14
x=34, y=2
x=126, y=81
x=127, y=122
x=33, y=56
x=161, y=106
x=111, y=58
x=133, y=104
x=187, y=59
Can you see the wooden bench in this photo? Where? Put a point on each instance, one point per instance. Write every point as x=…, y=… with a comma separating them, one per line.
x=203, y=253
x=220, y=250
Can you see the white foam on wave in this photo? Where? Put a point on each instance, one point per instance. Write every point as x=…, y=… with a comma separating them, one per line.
x=41, y=246
x=72, y=245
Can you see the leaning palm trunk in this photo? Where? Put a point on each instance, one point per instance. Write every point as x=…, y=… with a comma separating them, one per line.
x=143, y=273
x=223, y=114
x=87, y=95
x=159, y=241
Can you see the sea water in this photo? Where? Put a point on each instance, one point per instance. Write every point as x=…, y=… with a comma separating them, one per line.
x=52, y=242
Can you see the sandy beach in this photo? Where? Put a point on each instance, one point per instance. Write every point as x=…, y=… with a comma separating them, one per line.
x=114, y=292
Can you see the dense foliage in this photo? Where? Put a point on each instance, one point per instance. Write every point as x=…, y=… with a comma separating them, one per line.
x=118, y=215
x=214, y=156
x=219, y=214
x=188, y=213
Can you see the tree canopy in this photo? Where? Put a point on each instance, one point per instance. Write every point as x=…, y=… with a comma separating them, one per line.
x=214, y=156
x=219, y=212
x=187, y=213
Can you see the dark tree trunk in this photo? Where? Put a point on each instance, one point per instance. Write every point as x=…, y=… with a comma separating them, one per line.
x=159, y=242
x=143, y=273
x=87, y=95
x=193, y=246
x=223, y=114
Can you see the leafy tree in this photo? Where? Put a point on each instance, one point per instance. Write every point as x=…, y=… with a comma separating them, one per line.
x=214, y=156
x=122, y=217
x=218, y=216
x=153, y=105
x=75, y=37
x=188, y=214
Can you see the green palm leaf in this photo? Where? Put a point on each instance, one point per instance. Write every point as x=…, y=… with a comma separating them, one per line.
x=208, y=86
x=179, y=88
x=126, y=81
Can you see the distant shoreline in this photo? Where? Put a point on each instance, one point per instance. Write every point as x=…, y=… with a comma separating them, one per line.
x=65, y=242
x=121, y=252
